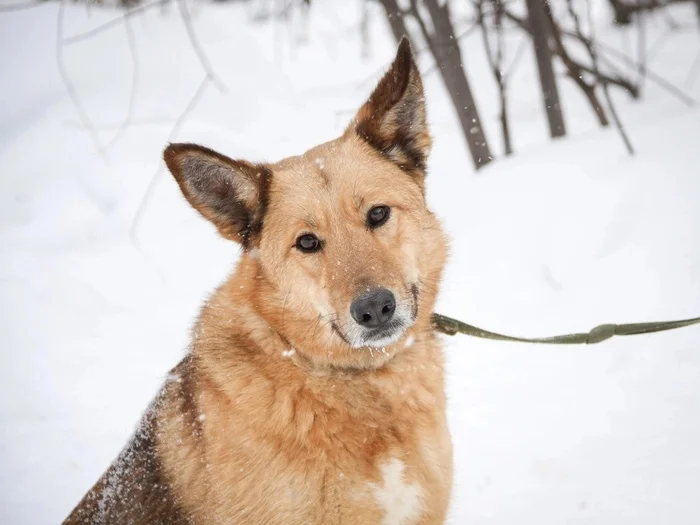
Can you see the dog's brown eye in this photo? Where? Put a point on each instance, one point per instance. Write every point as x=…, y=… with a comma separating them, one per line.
x=378, y=216
x=308, y=243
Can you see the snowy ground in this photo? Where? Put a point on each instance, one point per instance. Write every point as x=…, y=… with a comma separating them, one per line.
x=560, y=238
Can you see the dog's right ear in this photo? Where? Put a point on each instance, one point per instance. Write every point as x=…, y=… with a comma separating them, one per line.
x=232, y=194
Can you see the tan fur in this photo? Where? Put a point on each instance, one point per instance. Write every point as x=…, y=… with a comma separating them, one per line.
x=274, y=418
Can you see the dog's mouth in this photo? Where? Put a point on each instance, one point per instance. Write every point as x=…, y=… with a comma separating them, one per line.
x=380, y=337
x=374, y=338
x=385, y=336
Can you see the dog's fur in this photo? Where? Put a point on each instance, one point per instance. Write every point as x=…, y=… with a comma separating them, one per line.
x=282, y=413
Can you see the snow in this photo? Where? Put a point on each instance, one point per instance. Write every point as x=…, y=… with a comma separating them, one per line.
x=561, y=237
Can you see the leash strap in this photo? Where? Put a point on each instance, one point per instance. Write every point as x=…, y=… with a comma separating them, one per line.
x=600, y=333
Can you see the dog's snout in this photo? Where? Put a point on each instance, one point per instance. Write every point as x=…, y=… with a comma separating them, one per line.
x=374, y=309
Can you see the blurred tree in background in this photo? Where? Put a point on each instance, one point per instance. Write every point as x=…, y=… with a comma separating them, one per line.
x=560, y=35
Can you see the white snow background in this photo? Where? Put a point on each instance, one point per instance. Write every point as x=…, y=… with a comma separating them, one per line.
x=563, y=236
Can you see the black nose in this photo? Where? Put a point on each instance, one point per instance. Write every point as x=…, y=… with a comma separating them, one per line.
x=374, y=309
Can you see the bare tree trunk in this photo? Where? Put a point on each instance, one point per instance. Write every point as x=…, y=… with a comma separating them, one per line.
x=624, y=9
x=445, y=48
x=623, y=15
x=395, y=17
x=541, y=31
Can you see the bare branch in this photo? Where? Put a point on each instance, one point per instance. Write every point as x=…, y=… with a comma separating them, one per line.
x=112, y=23
x=197, y=47
x=694, y=70
x=496, y=63
x=602, y=77
x=651, y=75
x=150, y=190
x=590, y=47
x=72, y=93
x=515, y=61
x=134, y=83
x=641, y=48
x=141, y=122
x=624, y=9
x=20, y=6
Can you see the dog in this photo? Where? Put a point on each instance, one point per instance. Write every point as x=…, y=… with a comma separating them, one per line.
x=313, y=392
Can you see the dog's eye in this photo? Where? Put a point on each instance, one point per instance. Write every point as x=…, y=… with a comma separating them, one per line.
x=308, y=243
x=378, y=216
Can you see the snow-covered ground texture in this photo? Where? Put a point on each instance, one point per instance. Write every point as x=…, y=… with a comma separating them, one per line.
x=559, y=238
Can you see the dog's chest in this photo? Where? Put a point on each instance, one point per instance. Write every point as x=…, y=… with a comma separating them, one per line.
x=399, y=498
x=394, y=497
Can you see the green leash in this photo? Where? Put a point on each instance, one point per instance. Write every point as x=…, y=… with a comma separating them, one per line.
x=450, y=326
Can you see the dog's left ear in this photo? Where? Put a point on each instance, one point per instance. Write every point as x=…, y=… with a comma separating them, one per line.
x=393, y=119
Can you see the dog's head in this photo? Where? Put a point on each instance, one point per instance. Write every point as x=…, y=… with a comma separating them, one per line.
x=347, y=255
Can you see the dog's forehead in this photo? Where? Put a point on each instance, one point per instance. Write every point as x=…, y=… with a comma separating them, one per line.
x=340, y=168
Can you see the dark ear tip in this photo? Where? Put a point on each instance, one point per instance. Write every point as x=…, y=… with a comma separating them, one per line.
x=404, y=55
x=405, y=47
x=174, y=148
x=172, y=155
x=175, y=151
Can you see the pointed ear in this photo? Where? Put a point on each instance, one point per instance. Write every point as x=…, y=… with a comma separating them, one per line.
x=393, y=119
x=232, y=194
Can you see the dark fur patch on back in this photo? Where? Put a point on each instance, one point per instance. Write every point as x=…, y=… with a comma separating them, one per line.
x=134, y=490
x=187, y=390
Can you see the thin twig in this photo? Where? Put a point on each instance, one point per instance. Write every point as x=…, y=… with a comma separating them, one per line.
x=573, y=65
x=155, y=178
x=111, y=24
x=196, y=46
x=658, y=44
x=134, y=83
x=6, y=8
x=515, y=61
x=496, y=64
x=694, y=70
x=72, y=93
x=463, y=35
x=590, y=47
x=651, y=75
x=143, y=121
x=641, y=47
x=626, y=60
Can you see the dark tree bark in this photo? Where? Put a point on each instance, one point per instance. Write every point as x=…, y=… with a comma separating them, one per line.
x=445, y=48
x=625, y=9
x=395, y=17
x=541, y=32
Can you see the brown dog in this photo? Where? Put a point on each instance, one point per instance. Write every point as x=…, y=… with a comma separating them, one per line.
x=313, y=392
